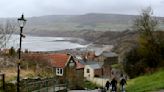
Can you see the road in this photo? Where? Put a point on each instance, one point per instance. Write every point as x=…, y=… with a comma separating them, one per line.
x=50, y=89
x=84, y=91
x=96, y=90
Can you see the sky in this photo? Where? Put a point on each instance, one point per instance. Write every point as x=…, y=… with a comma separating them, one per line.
x=31, y=8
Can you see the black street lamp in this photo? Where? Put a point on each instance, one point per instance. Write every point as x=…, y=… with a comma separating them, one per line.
x=22, y=23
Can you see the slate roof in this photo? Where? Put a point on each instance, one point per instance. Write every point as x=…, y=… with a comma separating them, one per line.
x=95, y=66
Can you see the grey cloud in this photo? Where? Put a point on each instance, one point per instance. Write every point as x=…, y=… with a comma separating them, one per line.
x=13, y=8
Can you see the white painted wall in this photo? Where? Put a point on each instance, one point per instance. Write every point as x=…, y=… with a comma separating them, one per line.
x=91, y=72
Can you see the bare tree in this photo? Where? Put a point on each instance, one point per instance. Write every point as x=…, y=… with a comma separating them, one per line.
x=6, y=30
x=147, y=26
x=146, y=23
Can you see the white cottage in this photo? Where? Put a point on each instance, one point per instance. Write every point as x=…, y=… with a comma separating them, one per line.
x=92, y=70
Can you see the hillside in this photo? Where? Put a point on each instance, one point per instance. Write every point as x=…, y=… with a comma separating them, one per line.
x=89, y=26
x=97, y=28
x=90, y=22
x=147, y=83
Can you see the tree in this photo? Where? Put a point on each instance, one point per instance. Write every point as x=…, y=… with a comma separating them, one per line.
x=148, y=54
x=6, y=29
x=132, y=64
x=146, y=25
x=12, y=51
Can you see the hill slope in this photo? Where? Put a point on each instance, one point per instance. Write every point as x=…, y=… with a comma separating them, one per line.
x=91, y=22
x=147, y=83
x=98, y=22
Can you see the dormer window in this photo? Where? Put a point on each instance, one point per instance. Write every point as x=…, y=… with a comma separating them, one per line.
x=71, y=63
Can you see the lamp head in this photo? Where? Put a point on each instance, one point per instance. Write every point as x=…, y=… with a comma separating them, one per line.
x=22, y=21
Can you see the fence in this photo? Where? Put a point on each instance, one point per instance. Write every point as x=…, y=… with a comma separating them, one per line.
x=43, y=85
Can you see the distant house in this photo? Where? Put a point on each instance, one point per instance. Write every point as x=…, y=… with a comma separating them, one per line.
x=102, y=55
x=90, y=55
x=66, y=68
x=111, y=58
x=97, y=69
x=92, y=70
x=108, y=58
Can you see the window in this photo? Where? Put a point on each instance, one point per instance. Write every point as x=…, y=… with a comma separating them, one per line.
x=71, y=64
x=87, y=70
x=59, y=71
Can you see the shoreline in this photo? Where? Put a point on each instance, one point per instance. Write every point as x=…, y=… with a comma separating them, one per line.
x=46, y=44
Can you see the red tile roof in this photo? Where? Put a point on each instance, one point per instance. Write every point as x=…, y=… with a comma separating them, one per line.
x=59, y=60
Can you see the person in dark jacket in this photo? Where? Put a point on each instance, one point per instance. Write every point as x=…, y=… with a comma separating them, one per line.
x=114, y=85
x=107, y=85
x=122, y=83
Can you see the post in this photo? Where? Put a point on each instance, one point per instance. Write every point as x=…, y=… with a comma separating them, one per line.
x=102, y=76
x=66, y=86
x=54, y=82
x=18, y=66
x=3, y=80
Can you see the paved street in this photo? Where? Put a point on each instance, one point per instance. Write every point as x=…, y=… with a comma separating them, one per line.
x=96, y=90
x=84, y=90
x=49, y=89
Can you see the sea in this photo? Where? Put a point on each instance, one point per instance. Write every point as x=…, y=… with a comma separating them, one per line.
x=36, y=43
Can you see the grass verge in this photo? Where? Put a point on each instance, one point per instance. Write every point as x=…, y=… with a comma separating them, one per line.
x=147, y=83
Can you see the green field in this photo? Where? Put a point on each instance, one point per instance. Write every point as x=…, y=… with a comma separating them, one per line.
x=147, y=83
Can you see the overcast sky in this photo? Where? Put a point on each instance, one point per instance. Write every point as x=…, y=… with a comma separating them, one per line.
x=14, y=8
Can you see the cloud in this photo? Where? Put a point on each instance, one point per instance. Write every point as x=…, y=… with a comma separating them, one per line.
x=13, y=8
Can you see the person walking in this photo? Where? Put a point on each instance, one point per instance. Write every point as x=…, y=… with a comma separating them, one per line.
x=114, y=85
x=107, y=85
x=122, y=83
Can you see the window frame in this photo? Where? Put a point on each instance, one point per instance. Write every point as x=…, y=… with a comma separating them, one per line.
x=59, y=71
x=71, y=63
x=88, y=70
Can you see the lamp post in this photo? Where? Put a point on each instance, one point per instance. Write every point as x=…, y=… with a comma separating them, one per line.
x=21, y=22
